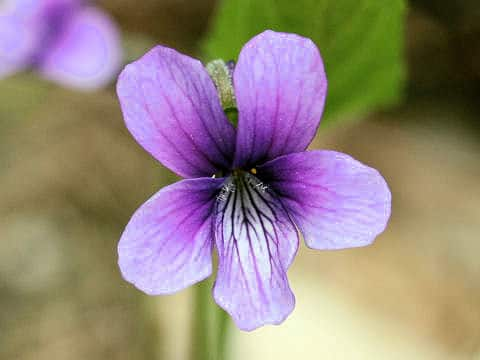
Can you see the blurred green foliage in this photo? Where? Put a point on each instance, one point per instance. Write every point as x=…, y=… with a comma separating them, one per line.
x=361, y=42
x=20, y=95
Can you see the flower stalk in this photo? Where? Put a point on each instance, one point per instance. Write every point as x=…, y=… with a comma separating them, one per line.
x=210, y=326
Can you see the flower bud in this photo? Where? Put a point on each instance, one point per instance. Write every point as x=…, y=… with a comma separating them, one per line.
x=221, y=73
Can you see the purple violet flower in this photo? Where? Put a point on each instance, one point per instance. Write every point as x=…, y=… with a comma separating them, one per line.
x=67, y=41
x=267, y=184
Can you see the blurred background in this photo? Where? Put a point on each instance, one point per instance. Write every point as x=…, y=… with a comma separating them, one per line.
x=71, y=176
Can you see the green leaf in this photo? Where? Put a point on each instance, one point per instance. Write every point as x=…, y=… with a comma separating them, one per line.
x=361, y=42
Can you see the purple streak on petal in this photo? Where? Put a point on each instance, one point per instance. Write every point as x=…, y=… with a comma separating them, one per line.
x=336, y=201
x=280, y=87
x=86, y=54
x=256, y=243
x=167, y=245
x=56, y=15
x=171, y=107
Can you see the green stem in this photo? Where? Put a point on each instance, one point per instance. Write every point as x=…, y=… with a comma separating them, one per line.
x=210, y=326
x=200, y=344
x=222, y=334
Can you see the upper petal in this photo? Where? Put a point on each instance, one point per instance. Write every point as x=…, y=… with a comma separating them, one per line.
x=167, y=244
x=280, y=87
x=256, y=243
x=86, y=53
x=336, y=201
x=171, y=107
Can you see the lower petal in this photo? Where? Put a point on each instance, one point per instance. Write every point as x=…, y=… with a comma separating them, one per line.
x=336, y=201
x=167, y=244
x=256, y=243
x=87, y=55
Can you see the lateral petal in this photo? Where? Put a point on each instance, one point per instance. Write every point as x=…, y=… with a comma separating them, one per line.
x=167, y=243
x=336, y=201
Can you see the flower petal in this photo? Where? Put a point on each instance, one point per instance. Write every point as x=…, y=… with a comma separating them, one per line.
x=167, y=244
x=86, y=54
x=336, y=201
x=280, y=87
x=171, y=107
x=256, y=243
x=20, y=34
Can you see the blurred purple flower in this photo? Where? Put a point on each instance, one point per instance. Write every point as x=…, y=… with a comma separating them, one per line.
x=267, y=184
x=67, y=41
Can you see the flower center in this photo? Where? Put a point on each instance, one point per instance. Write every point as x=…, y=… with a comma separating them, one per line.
x=241, y=181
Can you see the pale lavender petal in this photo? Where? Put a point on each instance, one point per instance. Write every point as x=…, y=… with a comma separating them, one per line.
x=16, y=46
x=44, y=8
x=256, y=243
x=280, y=87
x=20, y=34
x=336, y=201
x=86, y=54
x=167, y=245
x=171, y=107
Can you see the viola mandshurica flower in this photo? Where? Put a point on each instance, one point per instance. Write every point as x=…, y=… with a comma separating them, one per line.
x=266, y=184
x=67, y=41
